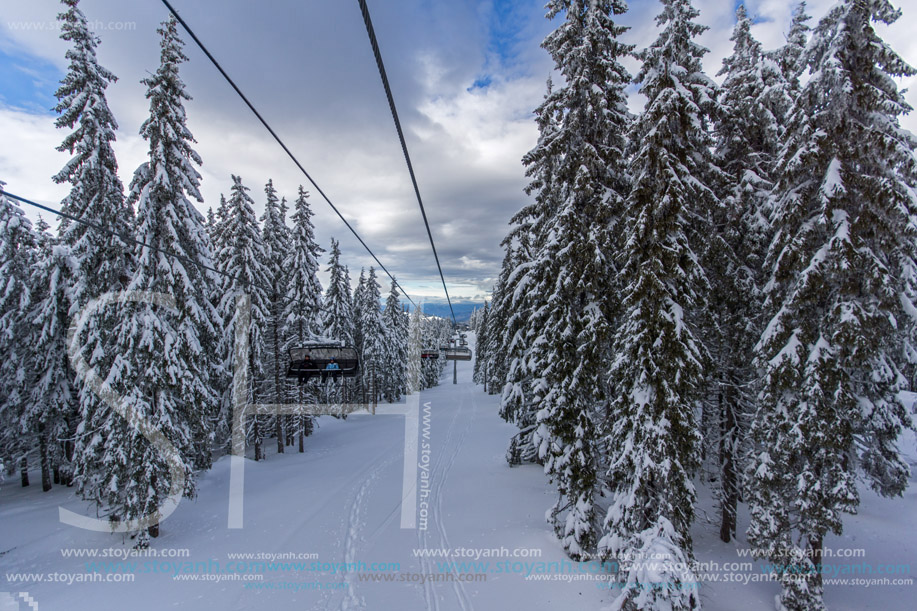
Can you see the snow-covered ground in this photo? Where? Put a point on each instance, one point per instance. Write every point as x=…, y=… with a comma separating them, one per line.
x=340, y=502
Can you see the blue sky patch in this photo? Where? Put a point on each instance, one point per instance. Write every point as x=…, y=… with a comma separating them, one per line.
x=506, y=25
x=482, y=82
x=28, y=82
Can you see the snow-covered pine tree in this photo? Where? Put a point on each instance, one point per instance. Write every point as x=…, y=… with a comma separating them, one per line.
x=839, y=345
x=164, y=355
x=52, y=412
x=17, y=254
x=96, y=193
x=435, y=332
x=277, y=244
x=790, y=57
x=372, y=330
x=395, y=347
x=659, y=364
x=98, y=262
x=508, y=344
x=215, y=228
x=570, y=278
x=358, y=300
x=479, y=326
x=747, y=132
x=337, y=306
x=302, y=311
x=508, y=349
x=242, y=257
x=414, y=369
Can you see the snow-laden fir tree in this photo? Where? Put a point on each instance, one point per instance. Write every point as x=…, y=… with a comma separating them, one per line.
x=337, y=306
x=372, y=330
x=507, y=348
x=96, y=192
x=100, y=259
x=302, y=310
x=507, y=365
x=791, y=56
x=435, y=332
x=659, y=359
x=478, y=324
x=242, y=257
x=839, y=344
x=358, y=300
x=752, y=101
x=17, y=254
x=414, y=365
x=165, y=355
x=395, y=347
x=571, y=273
x=277, y=243
x=52, y=411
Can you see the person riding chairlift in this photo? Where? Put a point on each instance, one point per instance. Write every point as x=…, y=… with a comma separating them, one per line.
x=332, y=365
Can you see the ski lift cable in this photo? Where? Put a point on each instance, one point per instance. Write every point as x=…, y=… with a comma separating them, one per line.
x=404, y=147
x=283, y=146
x=127, y=238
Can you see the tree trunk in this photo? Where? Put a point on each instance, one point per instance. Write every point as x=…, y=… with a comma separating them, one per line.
x=45, y=458
x=278, y=389
x=730, y=483
x=24, y=471
x=259, y=448
x=816, y=547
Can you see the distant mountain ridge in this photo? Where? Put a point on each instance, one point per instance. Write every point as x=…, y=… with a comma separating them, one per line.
x=462, y=310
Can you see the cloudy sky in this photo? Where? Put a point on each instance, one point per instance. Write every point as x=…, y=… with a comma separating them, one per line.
x=466, y=75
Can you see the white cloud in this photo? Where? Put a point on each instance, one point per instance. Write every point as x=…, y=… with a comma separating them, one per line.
x=309, y=69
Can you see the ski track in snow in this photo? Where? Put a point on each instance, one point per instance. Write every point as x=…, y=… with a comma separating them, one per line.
x=356, y=522
x=438, y=475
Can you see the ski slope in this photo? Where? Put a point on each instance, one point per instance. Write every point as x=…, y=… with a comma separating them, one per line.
x=340, y=502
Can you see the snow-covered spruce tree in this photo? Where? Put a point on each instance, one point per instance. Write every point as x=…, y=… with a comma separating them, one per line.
x=164, y=355
x=372, y=329
x=358, y=300
x=435, y=332
x=215, y=228
x=791, y=56
x=478, y=324
x=17, y=254
x=659, y=366
x=747, y=132
x=52, y=411
x=96, y=193
x=570, y=277
x=242, y=257
x=508, y=343
x=414, y=368
x=277, y=243
x=839, y=345
x=302, y=309
x=98, y=262
x=337, y=306
x=395, y=347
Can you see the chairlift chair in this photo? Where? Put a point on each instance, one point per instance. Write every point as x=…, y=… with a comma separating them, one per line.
x=311, y=361
x=458, y=353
